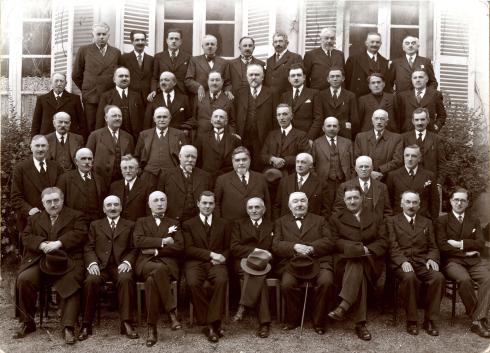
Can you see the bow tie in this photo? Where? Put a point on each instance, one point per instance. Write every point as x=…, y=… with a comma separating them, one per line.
x=299, y=218
x=160, y=217
x=209, y=57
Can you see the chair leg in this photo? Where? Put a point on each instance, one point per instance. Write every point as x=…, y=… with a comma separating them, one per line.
x=227, y=302
x=138, y=304
x=395, y=302
x=278, y=303
x=453, y=302
x=191, y=314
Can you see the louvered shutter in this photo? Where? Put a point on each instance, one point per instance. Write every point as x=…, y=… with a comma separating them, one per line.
x=139, y=15
x=62, y=29
x=83, y=20
x=319, y=14
x=259, y=23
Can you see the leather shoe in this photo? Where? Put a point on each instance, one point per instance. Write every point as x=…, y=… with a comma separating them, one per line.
x=485, y=324
x=430, y=328
x=175, y=324
x=362, y=332
x=128, y=330
x=412, y=328
x=69, y=335
x=289, y=327
x=152, y=337
x=239, y=314
x=480, y=330
x=210, y=334
x=337, y=314
x=319, y=330
x=263, y=331
x=24, y=329
x=85, y=331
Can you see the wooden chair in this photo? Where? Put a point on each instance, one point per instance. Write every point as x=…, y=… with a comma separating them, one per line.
x=140, y=287
x=207, y=284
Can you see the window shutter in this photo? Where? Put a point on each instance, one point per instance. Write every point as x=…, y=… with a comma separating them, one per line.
x=83, y=20
x=138, y=15
x=62, y=29
x=259, y=23
x=319, y=14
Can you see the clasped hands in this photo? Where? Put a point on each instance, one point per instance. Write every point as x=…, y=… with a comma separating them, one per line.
x=217, y=259
x=302, y=249
x=277, y=162
x=430, y=264
x=48, y=246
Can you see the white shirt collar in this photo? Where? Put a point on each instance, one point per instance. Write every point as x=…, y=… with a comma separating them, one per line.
x=281, y=54
x=338, y=91
x=82, y=174
x=287, y=130
x=305, y=177
x=371, y=55
x=219, y=131
x=376, y=132
x=210, y=218
x=58, y=136
x=329, y=139
x=58, y=95
x=259, y=221
x=458, y=215
x=111, y=131
x=131, y=183
x=408, y=217
x=423, y=134
x=422, y=91
x=116, y=220
x=247, y=176
x=361, y=182
x=300, y=89
x=38, y=167
x=172, y=95
x=142, y=54
x=414, y=170
x=413, y=56
x=176, y=52
x=217, y=94
x=159, y=131
x=259, y=88
x=120, y=91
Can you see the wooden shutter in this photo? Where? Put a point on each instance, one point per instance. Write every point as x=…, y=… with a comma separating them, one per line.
x=61, y=51
x=319, y=14
x=259, y=22
x=138, y=15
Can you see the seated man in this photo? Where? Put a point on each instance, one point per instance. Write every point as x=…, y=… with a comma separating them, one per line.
x=206, y=260
x=109, y=256
x=161, y=245
x=415, y=259
x=304, y=234
x=361, y=240
x=53, y=254
x=251, y=242
x=460, y=241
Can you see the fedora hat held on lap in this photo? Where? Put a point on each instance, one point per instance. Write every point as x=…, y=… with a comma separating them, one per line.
x=303, y=267
x=257, y=263
x=56, y=262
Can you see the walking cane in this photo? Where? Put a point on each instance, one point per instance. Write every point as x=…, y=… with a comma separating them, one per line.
x=304, y=309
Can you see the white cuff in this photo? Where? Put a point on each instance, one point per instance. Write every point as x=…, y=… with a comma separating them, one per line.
x=128, y=263
x=90, y=264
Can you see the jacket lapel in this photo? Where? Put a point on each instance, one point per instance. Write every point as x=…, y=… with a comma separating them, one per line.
x=136, y=190
x=36, y=177
x=107, y=138
x=364, y=61
x=292, y=226
x=61, y=221
x=106, y=228
x=262, y=97
x=375, y=187
x=96, y=55
x=306, y=225
x=237, y=183
x=201, y=60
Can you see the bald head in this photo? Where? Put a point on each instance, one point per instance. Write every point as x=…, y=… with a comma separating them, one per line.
x=112, y=206
x=188, y=157
x=219, y=119
x=298, y=203
x=84, y=160
x=331, y=126
x=157, y=201
x=364, y=167
x=62, y=122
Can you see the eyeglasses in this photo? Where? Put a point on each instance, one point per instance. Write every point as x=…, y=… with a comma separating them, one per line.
x=408, y=43
x=52, y=202
x=459, y=200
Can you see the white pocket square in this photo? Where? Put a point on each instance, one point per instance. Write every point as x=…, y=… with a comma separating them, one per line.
x=181, y=109
x=308, y=101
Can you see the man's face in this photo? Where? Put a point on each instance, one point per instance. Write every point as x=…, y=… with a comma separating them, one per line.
x=327, y=40
x=373, y=43
x=162, y=118
x=84, y=161
x=410, y=203
x=420, y=121
x=410, y=45
x=188, y=158
x=353, y=200
x=459, y=202
x=167, y=81
x=215, y=82
x=121, y=78
x=101, y=36
x=58, y=83
x=303, y=165
x=284, y=117
x=174, y=41
x=157, y=202
x=129, y=169
x=62, y=123
x=380, y=120
x=376, y=85
x=411, y=156
x=419, y=79
x=113, y=118
x=255, y=209
x=139, y=42
x=112, y=207
x=39, y=148
x=279, y=43
x=246, y=47
x=255, y=76
x=335, y=78
x=298, y=204
x=219, y=119
x=364, y=167
x=296, y=77
x=331, y=127
x=53, y=203
x=241, y=162
x=210, y=45
x=206, y=205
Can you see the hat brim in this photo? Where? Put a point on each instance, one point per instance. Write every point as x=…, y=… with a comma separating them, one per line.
x=305, y=276
x=56, y=272
x=272, y=174
x=243, y=265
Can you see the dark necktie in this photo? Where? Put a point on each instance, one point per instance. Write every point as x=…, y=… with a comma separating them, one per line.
x=296, y=96
x=214, y=97
x=460, y=219
x=172, y=55
x=277, y=57
x=114, y=137
x=86, y=176
x=254, y=94
x=244, y=180
x=102, y=50
x=419, y=95
x=42, y=169
x=300, y=182
x=140, y=60
x=123, y=95
x=332, y=143
x=365, y=187
x=169, y=100
x=411, y=173
x=210, y=58
x=299, y=221
x=113, y=226
x=53, y=219
x=335, y=98
x=206, y=224
x=420, y=142
x=218, y=135
x=62, y=140
x=412, y=223
x=283, y=136
x=410, y=61
x=378, y=136
x=256, y=224
x=58, y=100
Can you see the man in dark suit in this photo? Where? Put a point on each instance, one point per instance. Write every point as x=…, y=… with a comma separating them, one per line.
x=333, y=158
x=383, y=146
x=64, y=144
x=109, y=256
x=318, y=61
x=251, y=240
x=431, y=144
x=93, y=70
x=108, y=144
x=29, y=178
x=184, y=184
x=421, y=96
x=338, y=102
x=302, y=100
x=161, y=245
x=375, y=197
x=207, y=242
x=413, y=177
x=361, y=241
x=254, y=113
x=132, y=189
x=299, y=234
x=128, y=101
x=401, y=68
x=55, y=101
x=238, y=66
x=359, y=67
x=139, y=64
x=276, y=75
x=415, y=260
x=460, y=241
x=83, y=188
x=233, y=188
x=53, y=242
x=304, y=180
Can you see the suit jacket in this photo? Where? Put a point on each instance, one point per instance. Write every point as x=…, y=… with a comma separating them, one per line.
x=47, y=107
x=147, y=235
x=163, y=63
x=432, y=100
x=387, y=153
x=345, y=110
x=236, y=75
x=380, y=201
x=102, y=243
x=314, y=232
x=321, y=156
x=245, y=238
x=295, y=142
x=203, y=111
x=172, y=184
x=75, y=142
x=143, y=147
x=136, y=204
x=304, y=115
x=93, y=73
x=401, y=72
x=140, y=77
x=276, y=75
x=433, y=152
x=198, y=70
x=179, y=109
x=412, y=245
x=136, y=108
x=359, y=67
x=314, y=188
x=424, y=183
x=101, y=144
x=231, y=195
x=448, y=227
x=368, y=104
x=317, y=64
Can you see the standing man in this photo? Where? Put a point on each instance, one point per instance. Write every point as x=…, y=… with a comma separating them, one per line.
x=55, y=101
x=318, y=61
x=93, y=70
x=238, y=66
x=415, y=260
x=359, y=67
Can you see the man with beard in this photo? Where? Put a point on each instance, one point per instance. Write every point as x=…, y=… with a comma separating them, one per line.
x=238, y=66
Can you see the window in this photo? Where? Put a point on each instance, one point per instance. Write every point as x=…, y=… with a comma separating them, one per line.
x=179, y=14
x=220, y=22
